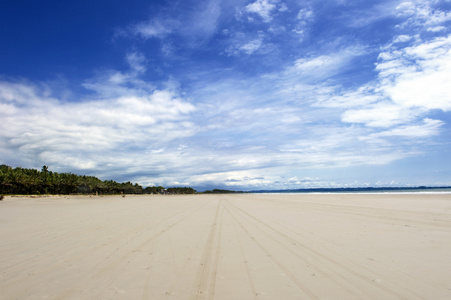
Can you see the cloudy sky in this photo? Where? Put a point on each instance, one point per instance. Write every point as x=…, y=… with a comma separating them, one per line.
x=237, y=94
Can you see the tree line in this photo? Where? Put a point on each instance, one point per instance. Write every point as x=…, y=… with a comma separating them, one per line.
x=25, y=181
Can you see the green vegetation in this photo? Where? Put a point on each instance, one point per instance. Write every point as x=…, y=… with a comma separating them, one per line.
x=180, y=190
x=154, y=190
x=34, y=182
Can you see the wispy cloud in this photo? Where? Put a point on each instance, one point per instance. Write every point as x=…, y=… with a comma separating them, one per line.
x=376, y=12
x=263, y=8
x=382, y=114
x=242, y=43
x=251, y=46
x=326, y=65
x=195, y=23
x=155, y=28
x=427, y=129
x=422, y=14
x=137, y=62
x=202, y=22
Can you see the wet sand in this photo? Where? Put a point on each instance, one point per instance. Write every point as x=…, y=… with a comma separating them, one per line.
x=251, y=246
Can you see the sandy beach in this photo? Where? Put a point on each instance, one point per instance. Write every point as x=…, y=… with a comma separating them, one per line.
x=249, y=246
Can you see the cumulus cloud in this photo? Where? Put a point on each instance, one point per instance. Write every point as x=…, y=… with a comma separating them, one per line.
x=89, y=133
x=425, y=77
x=413, y=78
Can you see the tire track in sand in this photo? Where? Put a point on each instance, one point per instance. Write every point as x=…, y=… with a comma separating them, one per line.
x=69, y=258
x=108, y=264
x=305, y=290
x=244, y=259
x=321, y=257
x=204, y=284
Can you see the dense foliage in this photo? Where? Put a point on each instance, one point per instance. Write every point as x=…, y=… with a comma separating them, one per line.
x=34, y=182
x=180, y=190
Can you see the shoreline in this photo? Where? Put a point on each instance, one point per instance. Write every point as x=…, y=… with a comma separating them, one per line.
x=362, y=193
x=382, y=192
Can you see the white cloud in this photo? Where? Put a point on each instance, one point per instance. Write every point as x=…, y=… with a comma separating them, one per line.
x=383, y=114
x=136, y=61
x=436, y=29
x=402, y=38
x=112, y=83
x=406, y=9
x=304, y=17
x=191, y=26
x=241, y=43
x=376, y=11
x=364, y=96
x=288, y=133
x=422, y=14
x=155, y=28
x=320, y=62
x=42, y=129
x=263, y=8
x=283, y=7
x=414, y=77
x=305, y=14
x=427, y=129
x=251, y=47
x=324, y=66
x=201, y=22
x=420, y=75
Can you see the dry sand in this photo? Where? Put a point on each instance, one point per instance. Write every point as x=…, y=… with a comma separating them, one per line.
x=333, y=246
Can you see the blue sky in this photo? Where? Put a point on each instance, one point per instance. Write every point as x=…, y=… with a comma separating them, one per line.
x=265, y=94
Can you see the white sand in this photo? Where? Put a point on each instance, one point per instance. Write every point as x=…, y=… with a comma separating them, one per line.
x=226, y=247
